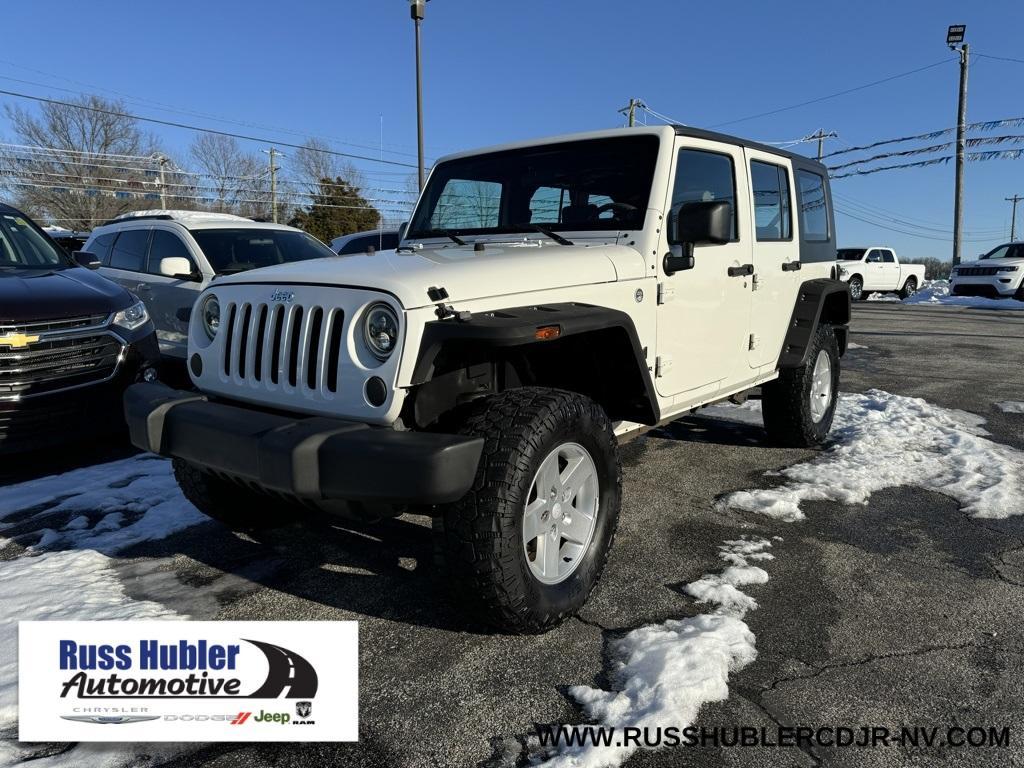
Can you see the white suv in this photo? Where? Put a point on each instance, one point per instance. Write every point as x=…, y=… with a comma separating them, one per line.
x=998, y=274
x=549, y=300
x=167, y=258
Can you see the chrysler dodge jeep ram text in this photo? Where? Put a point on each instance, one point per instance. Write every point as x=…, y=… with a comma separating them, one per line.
x=70, y=341
x=548, y=300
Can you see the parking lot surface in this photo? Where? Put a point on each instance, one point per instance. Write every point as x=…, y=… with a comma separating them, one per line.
x=904, y=611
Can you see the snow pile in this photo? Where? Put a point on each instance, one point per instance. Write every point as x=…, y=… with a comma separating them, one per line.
x=665, y=672
x=1011, y=406
x=749, y=412
x=885, y=441
x=70, y=524
x=937, y=292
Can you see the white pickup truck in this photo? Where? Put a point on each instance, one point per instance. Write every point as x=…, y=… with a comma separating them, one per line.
x=876, y=270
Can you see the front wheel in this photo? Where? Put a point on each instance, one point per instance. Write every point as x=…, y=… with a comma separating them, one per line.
x=527, y=544
x=909, y=288
x=798, y=407
x=856, y=288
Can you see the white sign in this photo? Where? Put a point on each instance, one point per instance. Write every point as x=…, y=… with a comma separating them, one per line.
x=188, y=681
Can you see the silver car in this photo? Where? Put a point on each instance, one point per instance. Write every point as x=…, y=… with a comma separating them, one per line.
x=167, y=258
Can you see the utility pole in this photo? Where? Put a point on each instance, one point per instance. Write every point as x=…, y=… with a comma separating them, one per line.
x=955, y=35
x=1013, y=218
x=630, y=110
x=821, y=136
x=273, y=182
x=162, y=161
x=417, y=9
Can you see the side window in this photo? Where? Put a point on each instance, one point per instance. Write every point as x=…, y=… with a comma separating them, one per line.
x=467, y=205
x=129, y=252
x=771, y=201
x=888, y=257
x=166, y=245
x=100, y=247
x=702, y=177
x=813, y=211
x=874, y=256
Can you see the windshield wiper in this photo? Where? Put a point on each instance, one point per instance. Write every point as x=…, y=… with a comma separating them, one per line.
x=548, y=232
x=458, y=240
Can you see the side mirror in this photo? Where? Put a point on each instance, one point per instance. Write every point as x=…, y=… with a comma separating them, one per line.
x=702, y=223
x=177, y=267
x=86, y=259
x=402, y=229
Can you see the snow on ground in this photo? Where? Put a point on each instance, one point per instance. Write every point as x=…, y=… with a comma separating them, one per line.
x=937, y=292
x=884, y=441
x=1011, y=406
x=664, y=673
x=854, y=345
x=69, y=526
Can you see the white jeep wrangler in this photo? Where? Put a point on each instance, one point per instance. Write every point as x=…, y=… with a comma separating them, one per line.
x=549, y=299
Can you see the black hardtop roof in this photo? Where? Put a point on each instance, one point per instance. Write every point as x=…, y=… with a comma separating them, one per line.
x=725, y=138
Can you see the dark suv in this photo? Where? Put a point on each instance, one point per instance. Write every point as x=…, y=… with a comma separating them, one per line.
x=70, y=341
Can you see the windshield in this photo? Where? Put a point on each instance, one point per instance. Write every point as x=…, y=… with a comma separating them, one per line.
x=238, y=250
x=23, y=246
x=1011, y=251
x=599, y=184
x=850, y=254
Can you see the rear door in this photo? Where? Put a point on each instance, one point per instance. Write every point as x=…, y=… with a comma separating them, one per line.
x=704, y=312
x=891, y=273
x=776, y=255
x=168, y=298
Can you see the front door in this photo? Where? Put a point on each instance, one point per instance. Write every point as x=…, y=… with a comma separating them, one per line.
x=704, y=312
x=169, y=299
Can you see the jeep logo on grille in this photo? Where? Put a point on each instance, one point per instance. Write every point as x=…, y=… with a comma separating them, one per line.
x=286, y=297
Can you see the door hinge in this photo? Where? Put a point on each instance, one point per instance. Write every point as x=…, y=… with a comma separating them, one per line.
x=665, y=293
x=755, y=282
x=662, y=365
x=754, y=341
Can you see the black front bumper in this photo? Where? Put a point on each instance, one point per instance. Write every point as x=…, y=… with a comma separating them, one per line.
x=311, y=458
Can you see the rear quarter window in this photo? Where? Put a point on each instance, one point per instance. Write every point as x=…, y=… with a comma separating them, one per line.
x=813, y=206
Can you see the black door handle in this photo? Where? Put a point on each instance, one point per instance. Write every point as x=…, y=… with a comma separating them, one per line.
x=746, y=269
x=790, y=266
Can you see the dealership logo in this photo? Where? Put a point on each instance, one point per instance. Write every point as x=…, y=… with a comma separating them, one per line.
x=289, y=675
x=17, y=340
x=285, y=297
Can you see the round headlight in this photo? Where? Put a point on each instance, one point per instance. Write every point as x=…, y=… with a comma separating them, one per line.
x=210, y=312
x=380, y=329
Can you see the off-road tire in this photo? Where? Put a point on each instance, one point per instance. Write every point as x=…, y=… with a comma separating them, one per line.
x=857, y=292
x=478, y=539
x=231, y=504
x=909, y=288
x=786, y=401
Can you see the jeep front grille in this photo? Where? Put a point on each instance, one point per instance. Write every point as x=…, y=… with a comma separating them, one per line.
x=279, y=346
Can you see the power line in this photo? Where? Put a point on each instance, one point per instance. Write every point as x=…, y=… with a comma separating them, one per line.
x=186, y=126
x=999, y=58
x=832, y=95
x=1009, y=122
x=910, y=234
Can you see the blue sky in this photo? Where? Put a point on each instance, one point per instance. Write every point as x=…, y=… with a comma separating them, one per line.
x=497, y=71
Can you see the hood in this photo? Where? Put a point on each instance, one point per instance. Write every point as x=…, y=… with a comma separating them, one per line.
x=1013, y=262
x=501, y=269
x=28, y=295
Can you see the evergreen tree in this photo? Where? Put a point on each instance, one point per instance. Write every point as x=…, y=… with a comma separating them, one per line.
x=337, y=209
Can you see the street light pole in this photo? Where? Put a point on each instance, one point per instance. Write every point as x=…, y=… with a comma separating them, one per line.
x=416, y=10
x=954, y=35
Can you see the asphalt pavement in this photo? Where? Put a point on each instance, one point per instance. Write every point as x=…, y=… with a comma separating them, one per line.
x=904, y=611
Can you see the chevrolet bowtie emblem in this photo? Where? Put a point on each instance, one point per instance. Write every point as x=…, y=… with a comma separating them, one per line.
x=17, y=340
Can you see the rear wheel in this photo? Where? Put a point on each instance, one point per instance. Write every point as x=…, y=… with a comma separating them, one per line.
x=856, y=288
x=909, y=288
x=234, y=505
x=526, y=546
x=799, y=406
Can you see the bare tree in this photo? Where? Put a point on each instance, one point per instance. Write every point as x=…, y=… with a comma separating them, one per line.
x=82, y=163
x=237, y=181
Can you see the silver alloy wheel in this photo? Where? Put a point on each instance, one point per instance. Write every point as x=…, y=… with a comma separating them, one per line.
x=821, y=386
x=561, y=513
x=856, y=289
x=911, y=287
